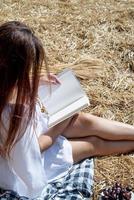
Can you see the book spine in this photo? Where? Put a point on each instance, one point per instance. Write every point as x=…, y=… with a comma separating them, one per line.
x=68, y=115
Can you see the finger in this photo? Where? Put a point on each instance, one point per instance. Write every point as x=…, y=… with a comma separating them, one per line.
x=54, y=78
x=48, y=80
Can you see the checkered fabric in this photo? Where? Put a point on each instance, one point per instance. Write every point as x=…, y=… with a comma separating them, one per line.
x=76, y=185
x=10, y=195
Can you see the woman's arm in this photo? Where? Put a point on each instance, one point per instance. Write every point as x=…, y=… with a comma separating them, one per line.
x=46, y=140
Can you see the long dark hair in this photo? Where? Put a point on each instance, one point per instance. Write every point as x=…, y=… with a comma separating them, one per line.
x=21, y=59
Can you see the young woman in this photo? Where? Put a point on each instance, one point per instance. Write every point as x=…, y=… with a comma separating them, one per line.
x=31, y=155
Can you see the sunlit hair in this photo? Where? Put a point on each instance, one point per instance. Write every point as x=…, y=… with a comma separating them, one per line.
x=21, y=59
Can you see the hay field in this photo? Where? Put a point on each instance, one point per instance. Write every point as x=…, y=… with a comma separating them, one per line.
x=96, y=39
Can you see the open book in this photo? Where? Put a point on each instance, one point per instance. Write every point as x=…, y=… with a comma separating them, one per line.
x=63, y=100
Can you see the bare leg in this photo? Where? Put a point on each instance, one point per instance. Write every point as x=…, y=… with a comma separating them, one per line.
x=84, y=124
x=93, y=146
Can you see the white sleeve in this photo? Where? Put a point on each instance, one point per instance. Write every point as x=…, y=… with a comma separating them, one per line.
x=26, y=162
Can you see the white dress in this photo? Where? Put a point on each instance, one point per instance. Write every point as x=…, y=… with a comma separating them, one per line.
x=28, y=171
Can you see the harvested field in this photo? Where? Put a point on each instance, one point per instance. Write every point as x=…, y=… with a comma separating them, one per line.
x=96, y=39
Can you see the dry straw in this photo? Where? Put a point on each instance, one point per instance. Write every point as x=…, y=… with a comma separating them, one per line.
x=84, y=33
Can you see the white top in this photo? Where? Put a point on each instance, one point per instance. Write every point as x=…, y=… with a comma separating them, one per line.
x=28, y=171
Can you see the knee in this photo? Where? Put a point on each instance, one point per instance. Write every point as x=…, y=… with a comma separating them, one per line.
x=96, y=141
x=97, y=145
x=83, y=120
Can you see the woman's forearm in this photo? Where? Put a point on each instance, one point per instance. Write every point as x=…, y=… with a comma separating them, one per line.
x=46, y=140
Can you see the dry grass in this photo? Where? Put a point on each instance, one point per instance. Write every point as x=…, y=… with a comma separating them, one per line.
x=74, y=31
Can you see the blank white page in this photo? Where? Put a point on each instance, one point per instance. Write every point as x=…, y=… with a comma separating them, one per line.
x=62, y=94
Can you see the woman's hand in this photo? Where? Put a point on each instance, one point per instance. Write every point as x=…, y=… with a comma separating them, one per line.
x=51, y=79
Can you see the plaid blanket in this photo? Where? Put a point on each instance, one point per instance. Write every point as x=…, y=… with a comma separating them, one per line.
x=76, y=185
